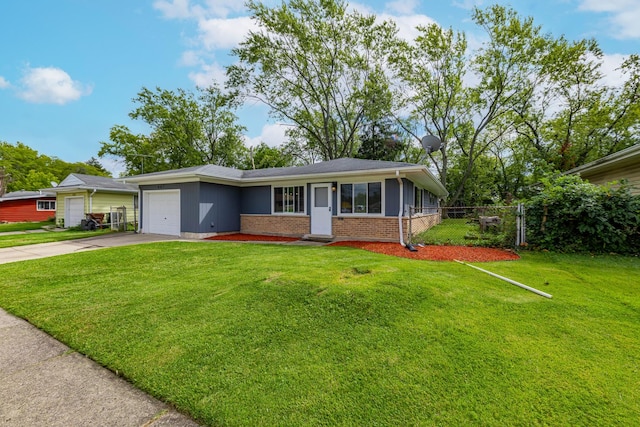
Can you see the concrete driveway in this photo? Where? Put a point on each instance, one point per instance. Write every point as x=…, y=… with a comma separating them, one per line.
x=44, y=250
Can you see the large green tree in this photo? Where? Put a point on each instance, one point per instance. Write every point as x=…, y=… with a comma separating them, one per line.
x=186, y=129
x=523, y=103
x=317, y=67
x=380, y=140
x=264, y=156
x=23, y=168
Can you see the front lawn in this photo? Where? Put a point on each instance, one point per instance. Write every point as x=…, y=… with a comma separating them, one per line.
x=25, y=226
x=47, y=237
x=249, y=335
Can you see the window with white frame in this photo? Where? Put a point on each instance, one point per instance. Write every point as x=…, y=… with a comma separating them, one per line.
x=288, y=199
x=361, y=198
x=46, y=205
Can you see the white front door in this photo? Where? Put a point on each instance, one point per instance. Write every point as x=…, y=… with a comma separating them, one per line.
x=73, y=211
x=321, y=209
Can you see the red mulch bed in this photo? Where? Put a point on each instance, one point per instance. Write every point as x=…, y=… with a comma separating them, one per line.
x=432, y=253
x=241, y=237
x=435, y=253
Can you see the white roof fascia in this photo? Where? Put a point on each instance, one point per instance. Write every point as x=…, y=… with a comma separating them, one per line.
x=418, y=173
x=603, y=162
x=89, y=188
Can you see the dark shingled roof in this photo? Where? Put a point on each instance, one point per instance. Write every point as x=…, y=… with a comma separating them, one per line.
x=88, y=182
x=327, y=169
x=23, y=195
x=206, y=170
x=330, y=166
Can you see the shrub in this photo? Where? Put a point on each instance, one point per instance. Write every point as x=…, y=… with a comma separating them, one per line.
x=571, y=215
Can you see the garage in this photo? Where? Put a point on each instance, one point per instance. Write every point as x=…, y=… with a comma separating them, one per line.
x=161, y=212
x=73, y=211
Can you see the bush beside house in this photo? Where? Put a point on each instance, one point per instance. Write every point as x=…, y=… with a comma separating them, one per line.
x=571, y=215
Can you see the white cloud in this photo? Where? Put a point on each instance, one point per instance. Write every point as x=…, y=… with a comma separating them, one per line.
x=224, y=33
x=407, y=24
x=189, y=58
x=113, y=165
x=467, y=4
x=611, y=73
x=174, y=9
x=208, y=74
x=624, y=15
x=224, y=8
x=4, y=83
x=50, y=85
x=184, y=9
x=272, y=135
x=402, y=7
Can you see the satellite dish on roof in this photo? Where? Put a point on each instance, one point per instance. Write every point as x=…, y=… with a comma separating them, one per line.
x=54, y=184
x=431, y=143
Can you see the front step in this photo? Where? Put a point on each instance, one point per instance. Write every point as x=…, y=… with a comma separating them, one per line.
x=325, y=238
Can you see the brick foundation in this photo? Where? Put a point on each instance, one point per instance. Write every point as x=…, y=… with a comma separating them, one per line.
x=360, y=228
x=422, y=223
x=343, y=228
x=279, y=225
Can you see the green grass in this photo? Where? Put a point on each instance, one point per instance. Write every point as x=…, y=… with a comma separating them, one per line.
x=263, y=335
x=449, y=231
x=464, y=232
x=24, y=226
x=47, y=237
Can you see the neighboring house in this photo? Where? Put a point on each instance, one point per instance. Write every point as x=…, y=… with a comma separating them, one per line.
x=78, y=195
x=624, y=164
x=344, y=198
x=25, y=206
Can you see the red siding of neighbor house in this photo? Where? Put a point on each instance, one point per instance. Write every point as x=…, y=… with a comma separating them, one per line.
x=24, y=210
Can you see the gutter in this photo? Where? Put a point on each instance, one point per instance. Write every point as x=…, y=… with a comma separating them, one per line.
x=91, y=200
x=401, y=207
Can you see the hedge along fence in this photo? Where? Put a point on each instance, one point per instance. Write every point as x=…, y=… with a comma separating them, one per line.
x=571, y=215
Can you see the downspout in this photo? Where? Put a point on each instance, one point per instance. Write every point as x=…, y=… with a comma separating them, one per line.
x=91, y=200
x=400, y=211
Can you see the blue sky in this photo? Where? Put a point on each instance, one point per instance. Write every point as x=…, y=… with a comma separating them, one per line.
x=69, y=68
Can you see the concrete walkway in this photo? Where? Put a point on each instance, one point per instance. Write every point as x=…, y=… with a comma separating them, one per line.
x=44, y=250
x=45, y=383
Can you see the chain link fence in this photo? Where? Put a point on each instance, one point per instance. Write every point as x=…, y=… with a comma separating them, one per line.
x=488, y=226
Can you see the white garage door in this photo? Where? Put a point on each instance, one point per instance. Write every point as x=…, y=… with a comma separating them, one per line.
x=73, y=211
x=162, y=212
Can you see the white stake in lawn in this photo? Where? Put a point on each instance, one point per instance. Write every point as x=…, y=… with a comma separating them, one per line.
x=513, y=282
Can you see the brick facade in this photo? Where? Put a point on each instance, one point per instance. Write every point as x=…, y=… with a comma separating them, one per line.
x=282, y=225
x=356, y=228
x=362, y=228
x=420, y=223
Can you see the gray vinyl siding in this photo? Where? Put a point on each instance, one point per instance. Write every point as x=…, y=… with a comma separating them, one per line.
x=256, y=200
x=392, y=196
x=409, y=194
x=204, y=207
x=218, y=208
x=188, y=199
x=229, y=199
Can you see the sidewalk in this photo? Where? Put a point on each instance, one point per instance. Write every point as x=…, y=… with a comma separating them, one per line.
x=44, y=383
